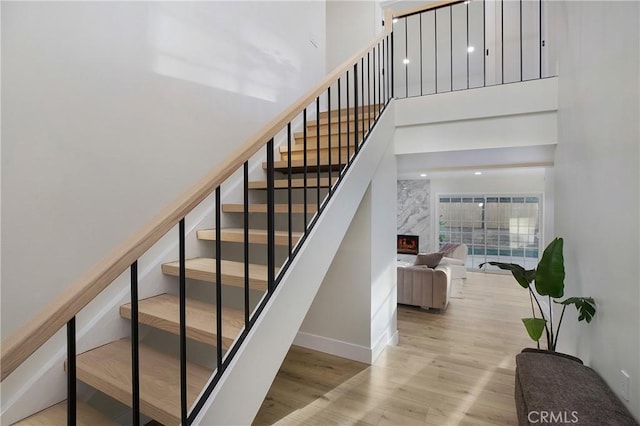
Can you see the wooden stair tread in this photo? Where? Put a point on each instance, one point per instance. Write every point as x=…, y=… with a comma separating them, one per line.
x=108, y=369
x=262, y=208
x=295, y=183
x=163, y=312
x=256, y=236
x=204, y=269
x=86, y=415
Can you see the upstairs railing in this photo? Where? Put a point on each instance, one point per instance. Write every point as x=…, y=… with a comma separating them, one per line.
x=469, y=44
x=362, y=88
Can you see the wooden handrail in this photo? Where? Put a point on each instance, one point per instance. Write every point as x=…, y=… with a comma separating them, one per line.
x=33, y=334
x=425, y=7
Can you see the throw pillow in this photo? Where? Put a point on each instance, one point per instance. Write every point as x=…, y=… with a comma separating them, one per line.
x=431, y=260
x=448, y=248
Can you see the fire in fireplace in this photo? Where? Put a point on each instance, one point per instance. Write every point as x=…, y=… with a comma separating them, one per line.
x=407, y=244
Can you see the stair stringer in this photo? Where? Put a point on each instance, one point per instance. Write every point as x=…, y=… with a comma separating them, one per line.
x=244, y=385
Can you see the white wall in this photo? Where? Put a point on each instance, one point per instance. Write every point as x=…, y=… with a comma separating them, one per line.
x=384, y=293
x=597, y=182
x=514, y=115
x=339, y=319
x=351, y=25
x=110, y=110
x=354, y=312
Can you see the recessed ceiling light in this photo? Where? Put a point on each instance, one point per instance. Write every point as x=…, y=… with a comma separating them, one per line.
x=470, y=49
x=467, y=2
x=477, y=173
x=395, y=20
x=406, y=61
x=423, y=175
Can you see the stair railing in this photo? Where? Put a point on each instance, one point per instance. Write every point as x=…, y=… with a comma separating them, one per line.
x=360, y=90
x=455, y=45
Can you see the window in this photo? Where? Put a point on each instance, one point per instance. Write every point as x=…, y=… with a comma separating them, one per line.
x=495, y=228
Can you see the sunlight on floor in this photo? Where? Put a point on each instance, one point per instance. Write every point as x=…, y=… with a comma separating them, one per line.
x=449, y=368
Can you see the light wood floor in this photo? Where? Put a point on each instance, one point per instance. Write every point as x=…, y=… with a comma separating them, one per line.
x=450, y=368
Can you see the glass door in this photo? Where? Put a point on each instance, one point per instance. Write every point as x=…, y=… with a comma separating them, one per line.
x=502, y=228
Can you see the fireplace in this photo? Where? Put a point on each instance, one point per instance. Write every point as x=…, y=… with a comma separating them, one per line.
x=407, y=244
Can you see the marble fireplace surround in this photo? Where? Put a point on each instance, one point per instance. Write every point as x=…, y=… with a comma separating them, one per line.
x=414, y=214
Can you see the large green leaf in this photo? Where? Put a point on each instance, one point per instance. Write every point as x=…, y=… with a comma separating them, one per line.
x=586, y=307
x=535, y=327
x=521, y=275
x=550, y=271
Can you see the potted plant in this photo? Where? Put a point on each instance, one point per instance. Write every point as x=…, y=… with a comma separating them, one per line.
x=548, y=280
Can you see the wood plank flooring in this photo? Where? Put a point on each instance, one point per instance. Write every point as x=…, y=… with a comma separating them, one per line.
x=450, y=368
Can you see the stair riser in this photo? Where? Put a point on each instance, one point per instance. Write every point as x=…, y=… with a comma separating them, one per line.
x=350, y=112
x=298, y=144
x=324, y=155
x=253, y=239
x=296, y=183
x=280, y=209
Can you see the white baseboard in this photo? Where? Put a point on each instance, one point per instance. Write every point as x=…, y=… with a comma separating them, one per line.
x=388, y=338
x=345, y=349
x=333, y=347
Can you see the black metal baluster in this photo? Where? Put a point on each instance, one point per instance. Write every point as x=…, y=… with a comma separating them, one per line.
x=540, y=34
x=375, y=104
x=290, y=224
x=246, y=243
x=71, y=372
x=328, y=140
x=406, y=58
x=467, y=4
x=421, y=79
x=183, y=325
x=389, y=69
x=368, y=94
x=391, y=82
x=435, y=46
x=271, y=242
x=339, y=132
x=355, y=108
x=362, y=99
x=304, y=166
x=380, y=75
x=385, y=67
x=218, y=283
x=502, y=38
x=135, y=353
x=521, y=64
x=484, y=45
x=318, y=152
x=348, y=124
x=451, y=44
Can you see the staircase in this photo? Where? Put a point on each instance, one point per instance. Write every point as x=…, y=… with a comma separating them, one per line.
x=329, y=149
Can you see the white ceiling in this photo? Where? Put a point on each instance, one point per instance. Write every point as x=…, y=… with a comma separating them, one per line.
x=458, y=163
